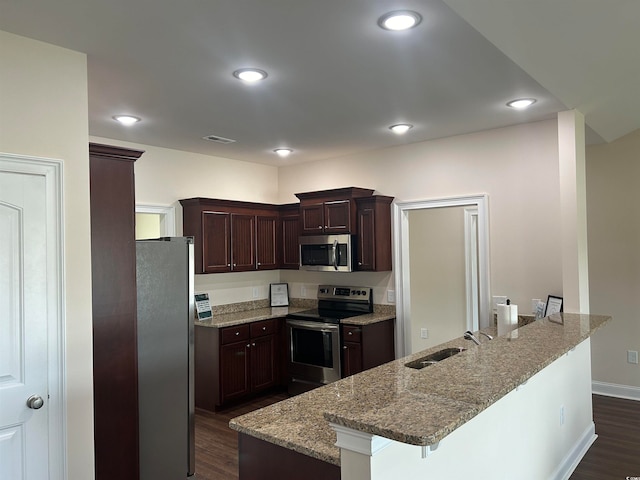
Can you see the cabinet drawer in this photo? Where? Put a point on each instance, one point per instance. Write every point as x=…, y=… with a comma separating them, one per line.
x=351, y=333
x=263, y=327
x=234, y=334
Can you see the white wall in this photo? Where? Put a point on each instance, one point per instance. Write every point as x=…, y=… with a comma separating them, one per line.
x=613, y=222
x=516, y=166
x=437, y=276
x=43, y=112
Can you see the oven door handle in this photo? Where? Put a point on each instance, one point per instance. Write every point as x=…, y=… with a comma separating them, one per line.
x=318, y=326
x=335, y=254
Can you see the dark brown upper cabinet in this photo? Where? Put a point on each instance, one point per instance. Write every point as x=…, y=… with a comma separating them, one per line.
x=289, y=230
x=234, y=236
x=373, y=249
x=231, y=236
x=330, y=211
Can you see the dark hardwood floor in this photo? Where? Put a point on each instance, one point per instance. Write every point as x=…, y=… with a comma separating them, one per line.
x=217, y=444
x=615, y=455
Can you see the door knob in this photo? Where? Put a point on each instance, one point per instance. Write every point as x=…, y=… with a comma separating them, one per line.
x=35, y=402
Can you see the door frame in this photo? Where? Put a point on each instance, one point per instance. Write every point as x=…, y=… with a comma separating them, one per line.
x=401, y=260
x=52, y=171
x=167, y=217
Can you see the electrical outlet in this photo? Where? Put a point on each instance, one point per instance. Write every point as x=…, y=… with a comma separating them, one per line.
x=256, y=292
x=303, y=291
x=562, y=415
x=391, y=296
x=534, y=304
x=424, y=333
x=632, y=356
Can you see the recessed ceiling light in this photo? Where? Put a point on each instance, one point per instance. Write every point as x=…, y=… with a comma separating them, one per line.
x=400, y=128
x=283, y=152
x=521, y=103
x=250, y=75
x=399, y=20
x=126, y=119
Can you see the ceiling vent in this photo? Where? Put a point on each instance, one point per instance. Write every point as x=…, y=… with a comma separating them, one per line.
x=217, y=139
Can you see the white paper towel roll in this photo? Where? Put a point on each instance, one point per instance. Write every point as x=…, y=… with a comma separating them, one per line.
x=507, y=318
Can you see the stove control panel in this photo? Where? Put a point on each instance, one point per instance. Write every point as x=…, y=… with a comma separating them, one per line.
x=342, y=292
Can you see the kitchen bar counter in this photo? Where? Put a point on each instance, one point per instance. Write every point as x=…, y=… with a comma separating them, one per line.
x=418, y=407
x=220, y=320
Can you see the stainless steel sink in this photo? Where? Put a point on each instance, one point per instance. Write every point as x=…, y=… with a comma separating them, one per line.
x=434, y=358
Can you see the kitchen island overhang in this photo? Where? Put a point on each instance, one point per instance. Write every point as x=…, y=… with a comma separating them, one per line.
x=423, y=407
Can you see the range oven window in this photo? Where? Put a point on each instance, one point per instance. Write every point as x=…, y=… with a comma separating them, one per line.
x=311, y=347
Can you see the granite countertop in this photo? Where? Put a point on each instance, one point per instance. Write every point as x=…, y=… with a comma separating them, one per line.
x=418, y=407
x=231, y=318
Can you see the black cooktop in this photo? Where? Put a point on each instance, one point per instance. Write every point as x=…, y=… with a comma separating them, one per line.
x=325, y=316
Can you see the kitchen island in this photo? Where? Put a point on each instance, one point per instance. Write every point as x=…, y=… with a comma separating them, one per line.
x=523, y=397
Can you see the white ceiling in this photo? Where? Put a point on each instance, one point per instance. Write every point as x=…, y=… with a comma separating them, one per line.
x=336, y=80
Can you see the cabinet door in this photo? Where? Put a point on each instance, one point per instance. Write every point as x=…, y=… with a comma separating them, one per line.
x=312, y=218
x=366, y=245
x=351, y=358
x=234, y=370
x=337, y=216
x=266, y=243
x=216, y=248
x=263, y=362
x=243, y=234
x=290, y=229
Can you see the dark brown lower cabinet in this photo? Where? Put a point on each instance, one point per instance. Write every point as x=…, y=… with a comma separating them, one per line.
x=232, y=363
x=367, y=346
x=113, y=271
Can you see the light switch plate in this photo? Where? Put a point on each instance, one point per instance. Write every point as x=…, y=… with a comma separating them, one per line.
x=391, y=296
x=632, y=356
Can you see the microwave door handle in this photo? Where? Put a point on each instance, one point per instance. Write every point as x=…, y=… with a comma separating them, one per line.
x=335, y=254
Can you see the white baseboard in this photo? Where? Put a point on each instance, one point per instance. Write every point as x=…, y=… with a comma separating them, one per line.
x=571, y=461
x=614, y=390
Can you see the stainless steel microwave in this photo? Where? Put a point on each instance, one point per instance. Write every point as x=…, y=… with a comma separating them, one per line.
x=326, y=253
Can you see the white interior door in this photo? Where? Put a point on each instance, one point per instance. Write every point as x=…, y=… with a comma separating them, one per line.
x=26, y=307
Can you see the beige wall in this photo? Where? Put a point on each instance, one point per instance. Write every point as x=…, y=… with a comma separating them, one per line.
x=43, y=112
x=164, y=176
x=613, y=221
x=437, y=275
x=516, y=166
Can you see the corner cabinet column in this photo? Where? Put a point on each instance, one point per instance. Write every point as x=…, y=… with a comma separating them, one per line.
x=113, y=271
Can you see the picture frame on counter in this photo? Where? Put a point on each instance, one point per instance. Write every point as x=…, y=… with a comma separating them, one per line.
x=279, y=294
x=554, y=305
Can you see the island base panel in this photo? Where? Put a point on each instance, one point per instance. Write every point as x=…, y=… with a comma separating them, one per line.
x=260, y=459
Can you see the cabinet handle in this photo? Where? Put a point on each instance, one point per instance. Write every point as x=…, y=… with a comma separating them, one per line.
x=259, y=264
x=344, y=347
x=248, y=346
x=237, y=333
x=264, y=329
x=253, y=344
x=359, y=263
x=228, y=264
x=350, y=333
x=320, y=227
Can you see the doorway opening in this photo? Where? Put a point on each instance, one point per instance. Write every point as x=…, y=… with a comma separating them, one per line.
x=153, y=221
x=441, y=270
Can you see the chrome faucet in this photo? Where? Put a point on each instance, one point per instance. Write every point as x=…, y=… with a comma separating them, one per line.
x=469, y=336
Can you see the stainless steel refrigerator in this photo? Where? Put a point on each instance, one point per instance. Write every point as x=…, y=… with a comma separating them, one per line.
x=165, y=282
